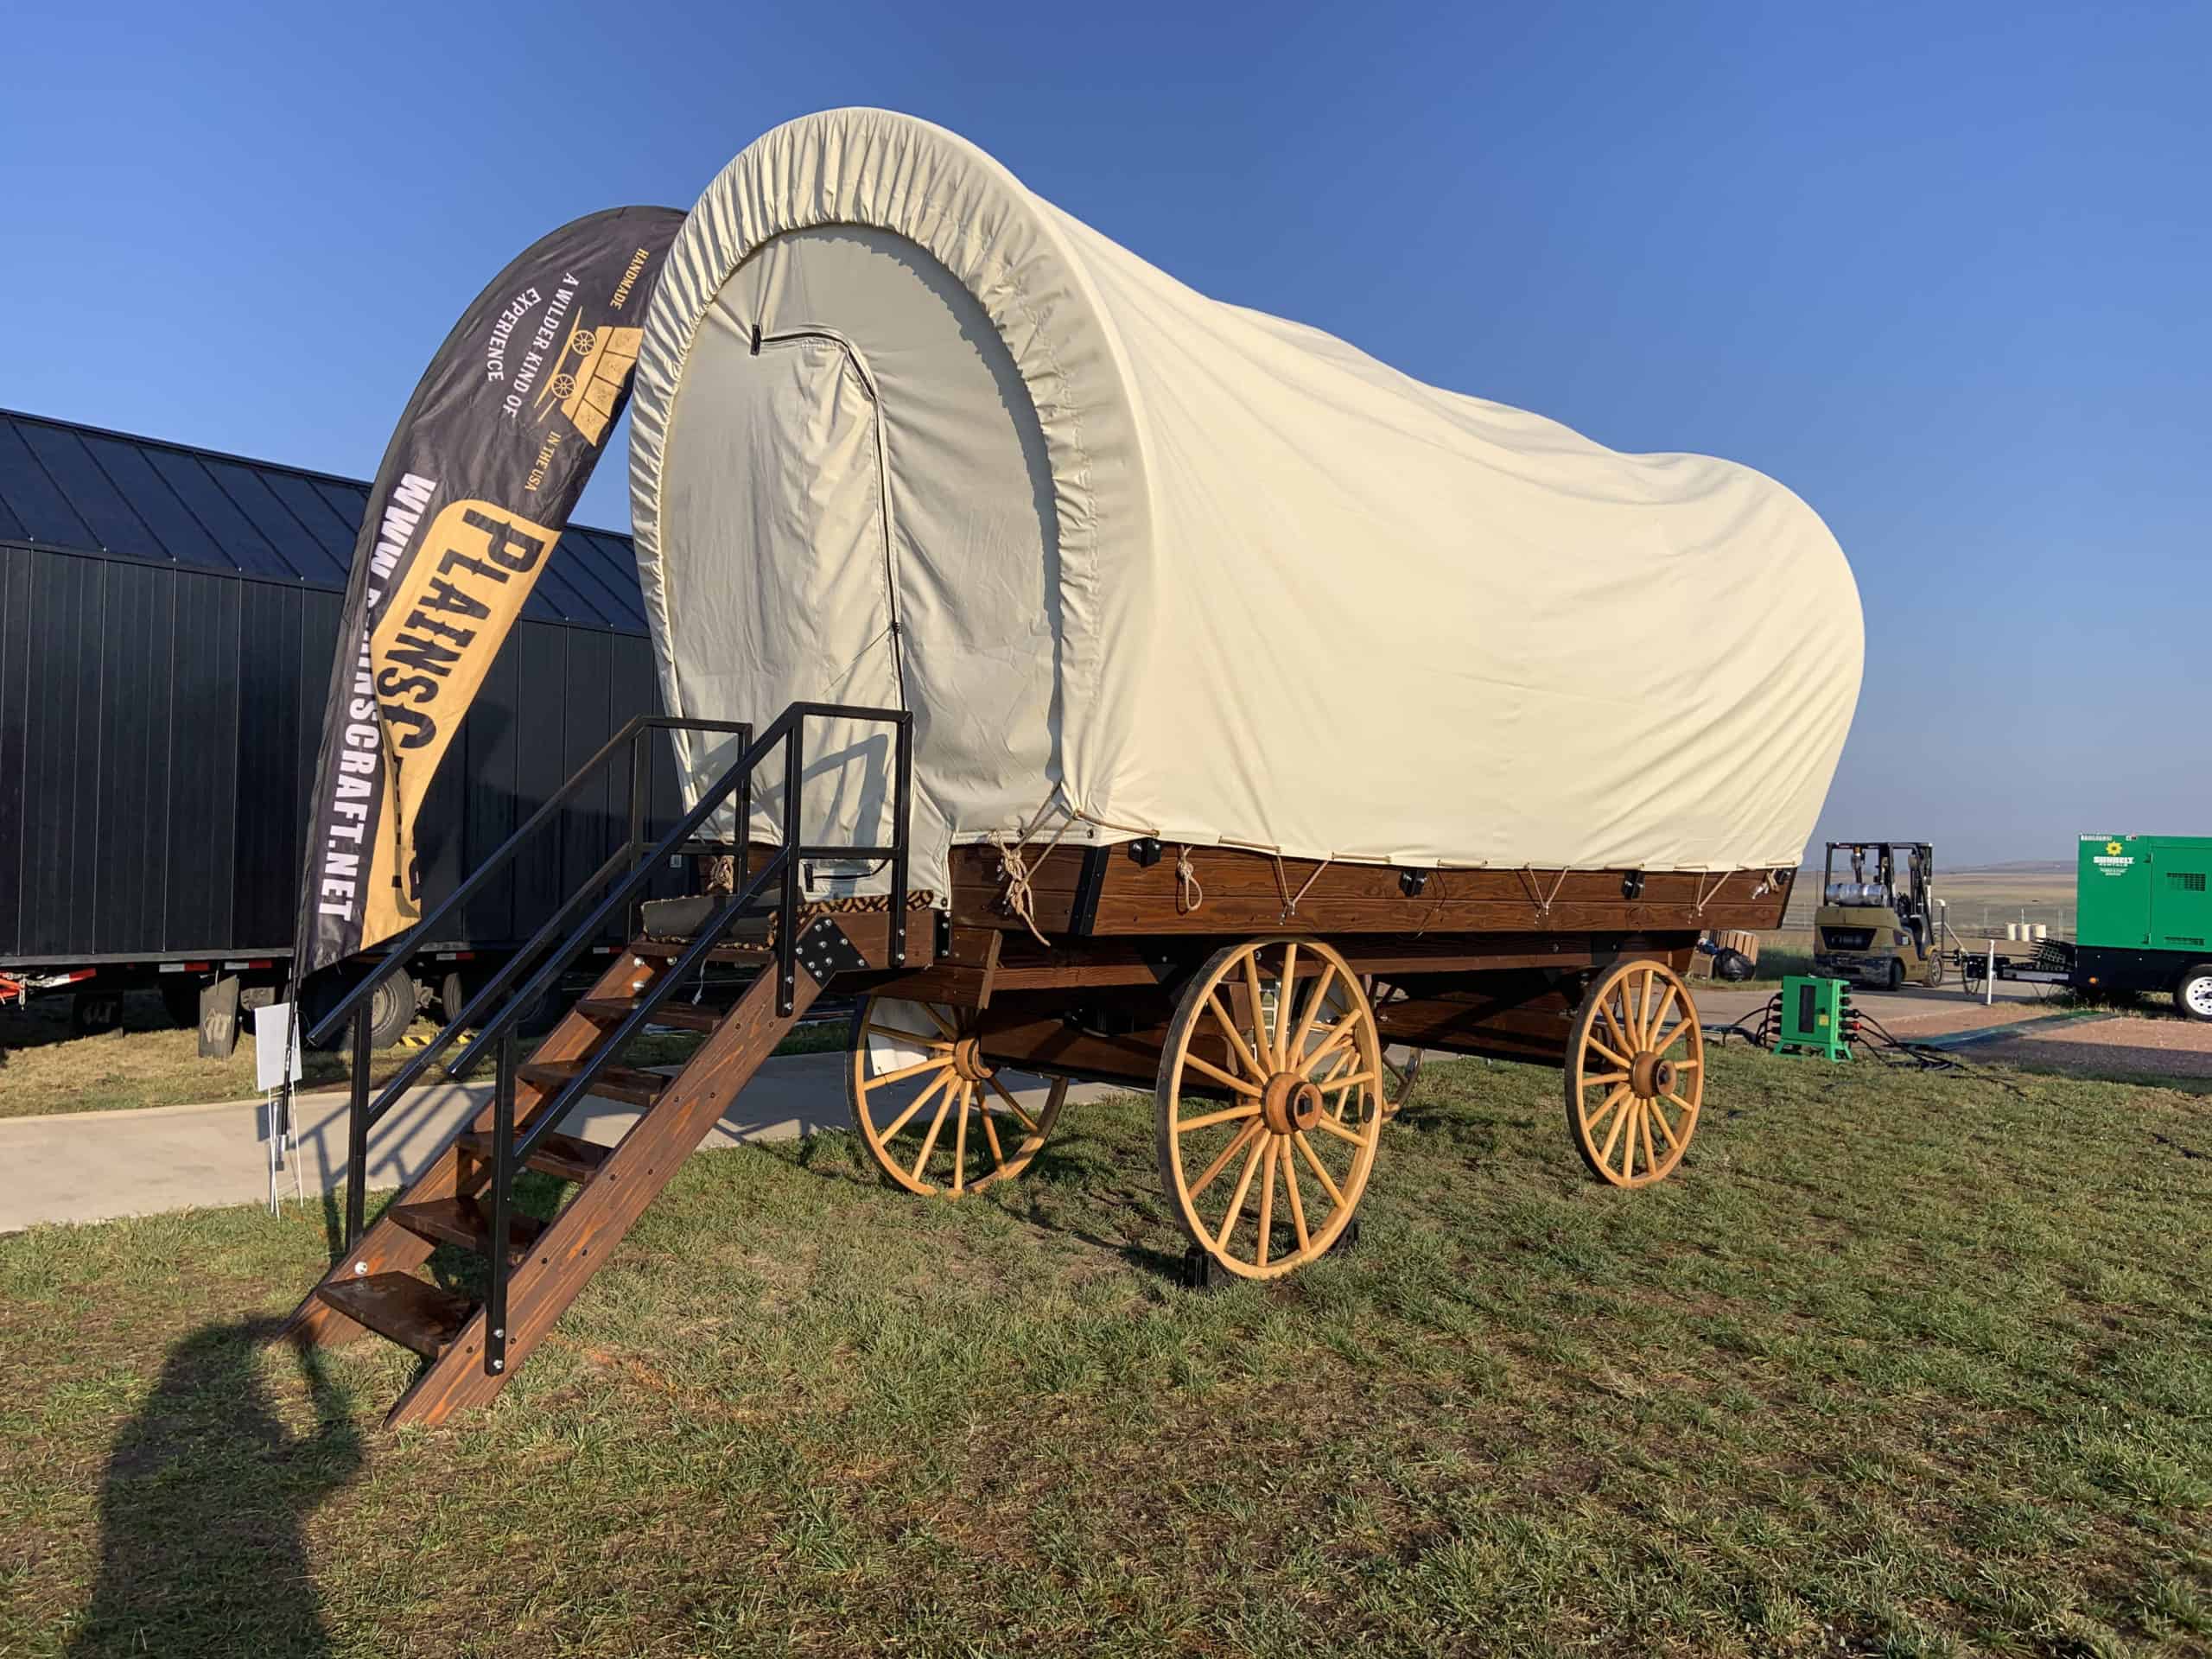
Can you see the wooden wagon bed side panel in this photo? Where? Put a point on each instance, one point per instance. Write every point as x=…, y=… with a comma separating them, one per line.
x=1241, y=892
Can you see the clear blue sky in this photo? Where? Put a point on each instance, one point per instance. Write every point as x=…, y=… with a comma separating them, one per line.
x=1943, y=269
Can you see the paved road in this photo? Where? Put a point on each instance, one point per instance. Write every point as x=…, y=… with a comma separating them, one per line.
x=96, y=1165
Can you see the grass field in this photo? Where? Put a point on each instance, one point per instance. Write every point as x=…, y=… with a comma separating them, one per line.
x=1897, y=1363
x=44, y=1067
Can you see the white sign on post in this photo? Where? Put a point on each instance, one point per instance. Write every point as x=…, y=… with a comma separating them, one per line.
x=269, y=1046
x=276, y=1036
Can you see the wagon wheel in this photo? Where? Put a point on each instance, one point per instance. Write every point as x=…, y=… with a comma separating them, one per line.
x=583, y=343
x=564, y=386
x=937, y=1117
x=1399, y=1077
x=1269, y=1080
x=1635, y=1073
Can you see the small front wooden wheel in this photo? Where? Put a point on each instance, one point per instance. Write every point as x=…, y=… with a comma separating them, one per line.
x=938, y=1118
x=1272, y=1078
x=1635, y=1073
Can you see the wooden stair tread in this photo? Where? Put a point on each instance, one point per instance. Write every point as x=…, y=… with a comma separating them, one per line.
x=616, y=1083
x=410, y=1312
x=561, y=1155
x=686, y=1016
x=669, y=949
x=459, y=1220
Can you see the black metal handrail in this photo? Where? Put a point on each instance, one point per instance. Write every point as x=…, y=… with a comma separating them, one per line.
x=788, y=733
x=361, y=1115
x=398, y=951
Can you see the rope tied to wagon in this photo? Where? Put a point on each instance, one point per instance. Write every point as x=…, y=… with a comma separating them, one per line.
x=1189, y=895
x=1704, y=898
x=1019, y=897
x=1541, y=900
x=1283, y=881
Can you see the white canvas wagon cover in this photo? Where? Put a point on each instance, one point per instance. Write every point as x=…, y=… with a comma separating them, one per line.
x=905, y=434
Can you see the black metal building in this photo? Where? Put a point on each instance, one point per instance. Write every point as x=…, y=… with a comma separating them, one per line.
x=168, y=617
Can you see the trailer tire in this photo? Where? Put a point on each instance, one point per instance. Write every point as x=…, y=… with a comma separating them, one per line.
x=391, y=1010
x=2193, y=992
x=1894, y=980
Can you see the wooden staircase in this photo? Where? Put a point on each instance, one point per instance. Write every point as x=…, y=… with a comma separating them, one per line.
x=533, y=1269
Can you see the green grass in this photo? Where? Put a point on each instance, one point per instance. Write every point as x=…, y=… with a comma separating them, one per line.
x=1896, y=1364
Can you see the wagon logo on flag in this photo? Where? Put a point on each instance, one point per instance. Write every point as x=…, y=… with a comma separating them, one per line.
x=592, y=391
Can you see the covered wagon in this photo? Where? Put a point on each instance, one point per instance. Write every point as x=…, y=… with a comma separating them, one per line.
x=1164, y=693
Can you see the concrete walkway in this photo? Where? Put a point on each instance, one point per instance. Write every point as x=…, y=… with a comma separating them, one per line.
x=96, y=1165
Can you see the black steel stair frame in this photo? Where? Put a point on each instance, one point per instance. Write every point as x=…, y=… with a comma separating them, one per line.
x=787, y=734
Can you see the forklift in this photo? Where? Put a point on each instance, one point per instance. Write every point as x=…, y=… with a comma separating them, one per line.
x=1879, y=927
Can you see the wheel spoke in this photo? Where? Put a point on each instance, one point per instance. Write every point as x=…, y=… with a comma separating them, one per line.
x=1328, y=1181
x=913, y=1037
x=1338, y=1035
x=1236, y=1145
x=1659, y=1020
x=1228, y=1116
x=1297, y=1204
x=1245, y=1057
x=1268, y=1194
x=1243, y=1187
x=991, y=1136
x=1337, y=1129
x=960, y=1137
x=1312, y=1008
x=1672, y=1037
x=1605, y=1012
x=1240, y=1085
x=1643, y=1122
x=1605, y=1078
x=1259, y=1009
x=1012, y=1105
x=1621, y=1060
x=904, y=1071
x=1643, y=1009
x=1591, y=1121
x=1674, y=1141
x=951, y=1031
x=1606, y=1153
x=929, y=1141
x=1684, y=1104
x=920, y=1101
x=1286, y=994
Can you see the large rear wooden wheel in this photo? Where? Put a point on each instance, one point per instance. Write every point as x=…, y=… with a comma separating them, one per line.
x=1270, y=1096
x=938, y=1118
x=1635, y=1073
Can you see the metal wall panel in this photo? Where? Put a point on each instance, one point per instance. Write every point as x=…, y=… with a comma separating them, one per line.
x=137, y=627
x=16, y=567
x=203, y=733
x=157, y=736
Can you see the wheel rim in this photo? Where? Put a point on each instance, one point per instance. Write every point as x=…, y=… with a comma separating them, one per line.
x=1634, y=1074
x=2197, y=994
x=1400, y=1077
x=938, y=1118
x=1270, y=1105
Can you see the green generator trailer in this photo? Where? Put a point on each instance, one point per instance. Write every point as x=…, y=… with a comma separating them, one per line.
x=2144, y=918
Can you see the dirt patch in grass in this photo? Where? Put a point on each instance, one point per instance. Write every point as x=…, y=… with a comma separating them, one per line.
x=1897, y=1363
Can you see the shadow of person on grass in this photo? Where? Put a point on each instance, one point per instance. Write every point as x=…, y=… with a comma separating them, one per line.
x=204, y=1505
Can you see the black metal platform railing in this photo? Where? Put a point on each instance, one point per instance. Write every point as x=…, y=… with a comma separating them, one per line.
x=555, y=957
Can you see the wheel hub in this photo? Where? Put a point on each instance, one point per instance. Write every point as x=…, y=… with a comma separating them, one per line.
x=1290, y=1104
x=968, y=1063
x=1651, y=1077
